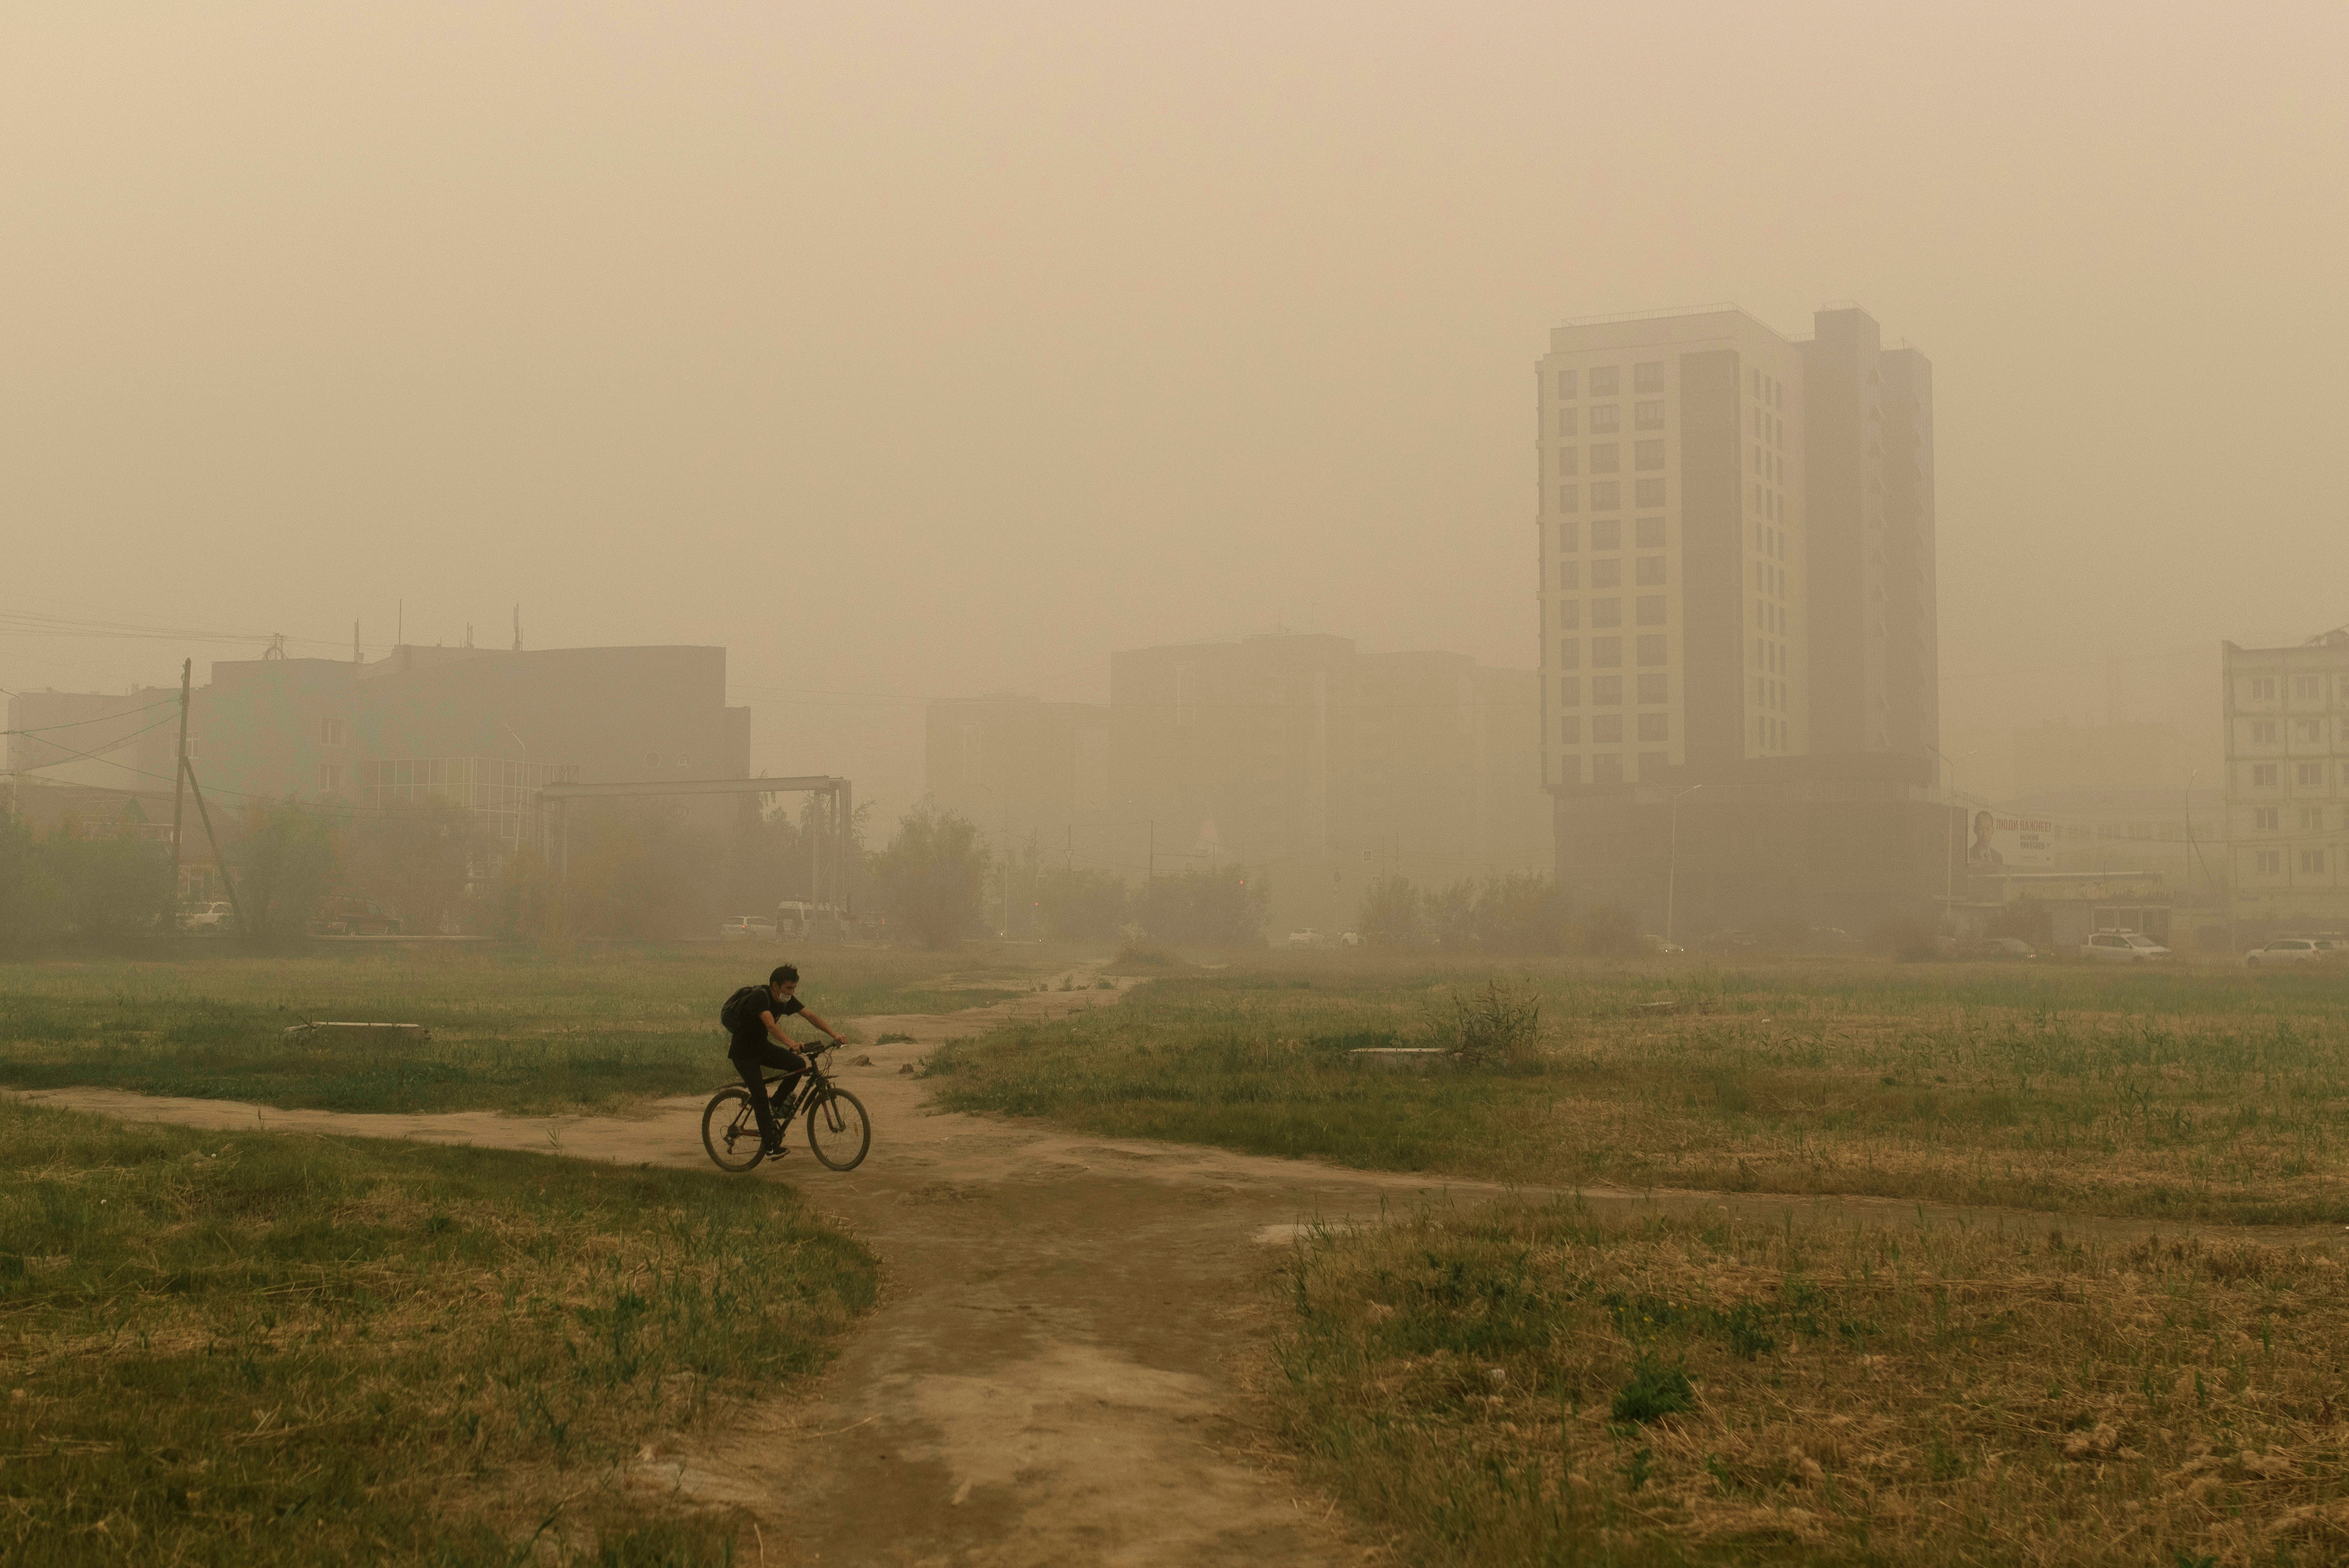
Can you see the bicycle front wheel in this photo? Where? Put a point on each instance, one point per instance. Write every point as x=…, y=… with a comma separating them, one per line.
x=837, y=1130
x=729, y=1130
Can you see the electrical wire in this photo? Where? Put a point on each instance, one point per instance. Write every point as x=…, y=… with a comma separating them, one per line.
x=76, y=723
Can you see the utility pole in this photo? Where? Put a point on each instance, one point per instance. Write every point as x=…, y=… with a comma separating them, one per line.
x=1152, y=874
x=188, y=772
x=179, y=777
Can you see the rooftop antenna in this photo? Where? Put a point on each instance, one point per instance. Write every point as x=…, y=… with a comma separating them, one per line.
x=517, y=628
x=276, y=648
x=354, y=644
x=469, y=633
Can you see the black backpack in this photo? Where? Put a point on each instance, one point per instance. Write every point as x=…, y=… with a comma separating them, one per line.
x=742, y=1009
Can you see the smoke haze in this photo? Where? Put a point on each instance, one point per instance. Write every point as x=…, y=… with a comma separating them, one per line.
x=920, y=351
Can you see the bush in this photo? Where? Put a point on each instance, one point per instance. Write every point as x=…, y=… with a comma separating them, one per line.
x=284, y=861
x=1653, y=1391
x=1389, y=913
x=101, y=881
x=1500, y=1027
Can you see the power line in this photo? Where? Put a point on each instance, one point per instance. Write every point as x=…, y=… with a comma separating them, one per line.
x=71, y=724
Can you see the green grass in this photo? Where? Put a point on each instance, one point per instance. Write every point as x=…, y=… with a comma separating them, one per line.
x=1527, y=1384
x=2205, y=1094
x=265, y=1349
x=515, y=1030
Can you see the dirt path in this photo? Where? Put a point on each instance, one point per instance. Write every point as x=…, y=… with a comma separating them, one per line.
x=1050, y=1378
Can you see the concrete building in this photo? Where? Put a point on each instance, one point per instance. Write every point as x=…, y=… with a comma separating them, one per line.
x=1024, y=770
x=2287, y=716
x=1323, y=767
x=1738, y=610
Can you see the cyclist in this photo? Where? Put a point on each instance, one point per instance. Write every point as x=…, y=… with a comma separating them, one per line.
x=759, y=1041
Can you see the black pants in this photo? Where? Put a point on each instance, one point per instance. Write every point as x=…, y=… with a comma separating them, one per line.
x=748, y=1061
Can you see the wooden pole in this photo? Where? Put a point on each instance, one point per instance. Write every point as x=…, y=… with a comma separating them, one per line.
x=179, y=777
x=188, y=771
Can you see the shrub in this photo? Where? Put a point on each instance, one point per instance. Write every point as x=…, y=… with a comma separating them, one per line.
x=1222, y=907
x=932, y=876
x=1500, y=1026
x=1652, y=1392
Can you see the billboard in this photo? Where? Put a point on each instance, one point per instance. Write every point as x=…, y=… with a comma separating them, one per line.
x=2002, y=841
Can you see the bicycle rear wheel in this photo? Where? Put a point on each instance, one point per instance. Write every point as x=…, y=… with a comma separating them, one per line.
x=729, y=1130
x=837, y=1130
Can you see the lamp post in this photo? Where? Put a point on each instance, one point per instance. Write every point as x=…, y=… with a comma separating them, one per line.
x=1673, y=865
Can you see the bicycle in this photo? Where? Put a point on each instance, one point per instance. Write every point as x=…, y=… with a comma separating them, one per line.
x=839, y=1133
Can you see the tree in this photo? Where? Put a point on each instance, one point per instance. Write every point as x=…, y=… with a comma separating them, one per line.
x=932, y=876
x=641, y=869
x=416, y=858
x=1220, y=908
x=1082, y=906
x=1520, y=912
x=28, y=889
x=1389, y=914
x=288, y=859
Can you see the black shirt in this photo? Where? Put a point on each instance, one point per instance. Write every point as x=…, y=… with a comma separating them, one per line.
x=753, y=1034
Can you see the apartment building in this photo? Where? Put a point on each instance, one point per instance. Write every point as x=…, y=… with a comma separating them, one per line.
x=1023, y=769
x=1737, y=598
x=1323, y=768
x=2287, y=738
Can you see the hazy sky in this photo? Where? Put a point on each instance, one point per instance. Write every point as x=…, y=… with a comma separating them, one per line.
x=915, y=351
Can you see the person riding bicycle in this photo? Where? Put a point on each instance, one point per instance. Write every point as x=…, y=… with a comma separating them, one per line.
x=760, y=1042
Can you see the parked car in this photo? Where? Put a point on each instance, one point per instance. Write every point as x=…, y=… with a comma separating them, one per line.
x=748, y=928
x=2285, y=950
x=1309, y=937
x=1655, y=943
x=1996, y=948
x=352, y=917
x=2124, y=947
x=213, y=919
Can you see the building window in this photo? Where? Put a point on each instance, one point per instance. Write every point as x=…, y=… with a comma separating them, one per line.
x=2264, y=688
x=1606, y=380
x=1649, y=453
x=1648, y=533
x=1650, y=572
x=2263, y=775
x=2312, y=818
x=1570, y=575
x=1606, y=458
x=1651, y=652
x=1570, y=614
x=2265, y=820
x=1655, y=726
x=1654, y=689
x=2263, y=732
x=1647, y=378
x=1569, y=729
x=330, y=778
x=1607, y=768
x=1564, y=384
x=1566, y=460
x=1606, y=421
x=1570, y=690
x=2310, y=775
x=1649, y=610
x=1569, y=537
x=2311, y=862
x=1569, y=654
x=1607, y=691
x=1648, y=415
x=1569, y=498
x=1606, y=495
x=334, y=732
x=2308, y=731
x=1606, y=534
x=2308, y=689
x=2270, y=862
x=1649, y=492
x=1607, y=573
x=1607, y=729
x=1607, y=613
x=1565, y=422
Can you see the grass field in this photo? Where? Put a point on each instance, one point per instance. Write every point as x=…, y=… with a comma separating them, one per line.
x=1526, y=1383
x=512, y=1029
x=260, y=1349
x=2211, y=1095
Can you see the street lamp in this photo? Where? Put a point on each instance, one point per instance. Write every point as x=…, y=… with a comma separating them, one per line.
x=1673, y=865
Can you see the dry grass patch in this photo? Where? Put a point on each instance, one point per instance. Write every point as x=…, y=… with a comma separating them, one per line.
x=259, y=1349
x=1530, y=1385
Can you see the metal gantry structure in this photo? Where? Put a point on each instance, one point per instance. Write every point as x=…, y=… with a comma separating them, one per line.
x=831, y=860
